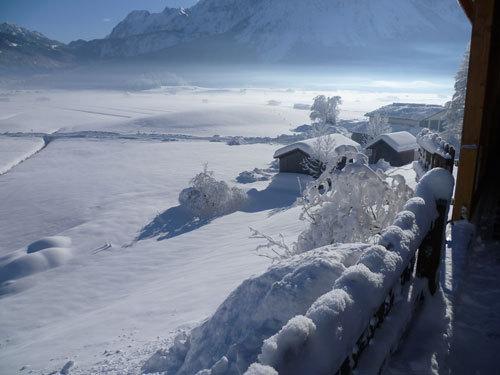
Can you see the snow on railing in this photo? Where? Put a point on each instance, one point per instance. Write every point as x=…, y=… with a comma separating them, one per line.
x=433, y=152
x=339, y=326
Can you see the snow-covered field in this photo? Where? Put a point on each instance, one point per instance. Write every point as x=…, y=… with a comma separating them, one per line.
x=185, y=110
x=112, y=301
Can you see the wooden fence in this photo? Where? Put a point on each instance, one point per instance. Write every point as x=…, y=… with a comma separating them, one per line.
x=421, y=270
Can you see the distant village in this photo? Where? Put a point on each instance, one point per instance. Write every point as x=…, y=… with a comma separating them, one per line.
x=396, y=141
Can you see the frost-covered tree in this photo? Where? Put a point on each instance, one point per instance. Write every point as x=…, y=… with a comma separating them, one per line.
x=325, y=110
x=455, y=108
x=350, y=205
x=378, y=125
x=346, y=205
x=207, y=197
x=323, y=154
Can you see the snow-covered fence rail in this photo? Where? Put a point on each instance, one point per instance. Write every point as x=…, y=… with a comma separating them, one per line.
x=433, y=152
x=335, y=333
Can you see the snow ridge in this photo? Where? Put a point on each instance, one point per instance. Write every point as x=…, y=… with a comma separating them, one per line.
x=284, y=29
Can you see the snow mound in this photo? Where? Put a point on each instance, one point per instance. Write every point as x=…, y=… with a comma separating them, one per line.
x=258, y=174
x=28, y=264
x=302, y=106
x=258, y=369
x=48, y=242
x=39, y=256
x=256, y=310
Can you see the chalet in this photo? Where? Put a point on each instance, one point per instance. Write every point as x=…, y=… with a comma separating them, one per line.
x=396, y=148
x=293, y=157
x=412, y=115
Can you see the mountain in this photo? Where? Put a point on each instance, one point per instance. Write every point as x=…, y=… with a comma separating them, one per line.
x=24, y=49
x=289, y=30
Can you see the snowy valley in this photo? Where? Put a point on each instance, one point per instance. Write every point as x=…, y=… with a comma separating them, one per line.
x=253, y=187
x=136, y=270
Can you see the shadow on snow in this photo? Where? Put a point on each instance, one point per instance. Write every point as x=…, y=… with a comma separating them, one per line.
x=279, y=195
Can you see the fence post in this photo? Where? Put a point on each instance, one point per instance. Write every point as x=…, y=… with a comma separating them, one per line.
x=429, y=253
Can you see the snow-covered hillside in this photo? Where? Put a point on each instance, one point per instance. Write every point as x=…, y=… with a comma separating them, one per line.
x=277, y=30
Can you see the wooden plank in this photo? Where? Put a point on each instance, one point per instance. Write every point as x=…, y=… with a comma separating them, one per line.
x=475, y=102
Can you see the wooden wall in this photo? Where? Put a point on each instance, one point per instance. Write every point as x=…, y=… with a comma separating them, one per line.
x=478, y=153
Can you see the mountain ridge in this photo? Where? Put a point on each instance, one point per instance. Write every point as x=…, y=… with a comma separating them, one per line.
x=23, y=48
x=278, y=30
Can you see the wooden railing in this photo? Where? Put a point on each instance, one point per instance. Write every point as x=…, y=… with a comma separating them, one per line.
x=423, y=266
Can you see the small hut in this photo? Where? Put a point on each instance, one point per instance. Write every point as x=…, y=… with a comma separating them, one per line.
x=397, y=148
x=293, y=157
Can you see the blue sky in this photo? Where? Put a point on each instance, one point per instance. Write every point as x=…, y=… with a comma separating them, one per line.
x=67, y=20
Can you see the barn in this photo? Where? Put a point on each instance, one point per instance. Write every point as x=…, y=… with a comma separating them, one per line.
x=397, y=148
x=293, y=156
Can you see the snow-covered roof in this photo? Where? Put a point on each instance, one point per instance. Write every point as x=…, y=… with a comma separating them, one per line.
x=411, y=111
x=399, y=141
x=307, y=145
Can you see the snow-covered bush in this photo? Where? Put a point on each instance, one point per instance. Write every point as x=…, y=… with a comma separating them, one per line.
x=207, y=197
x=350, y=205
x=274, y=103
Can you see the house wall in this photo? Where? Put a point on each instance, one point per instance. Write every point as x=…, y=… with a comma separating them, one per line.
x=293, y=162
x=381, y=150
x=403, y=121
x=434, y=122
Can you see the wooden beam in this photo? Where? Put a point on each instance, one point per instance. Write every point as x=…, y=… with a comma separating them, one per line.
x=475, y=103
x=468, y=8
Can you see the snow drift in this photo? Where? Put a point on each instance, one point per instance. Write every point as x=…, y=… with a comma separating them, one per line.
x=39, y=256
x=257, y=309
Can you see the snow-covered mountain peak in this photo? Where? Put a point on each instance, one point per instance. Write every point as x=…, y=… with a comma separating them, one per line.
x=290, y=30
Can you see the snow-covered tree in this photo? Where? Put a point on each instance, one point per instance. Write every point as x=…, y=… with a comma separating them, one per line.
x=323, y=154
x=325, y=110
x=350, y=205
x=207, y=197
x=378, y=125
x=346, y=205
x=455, y=108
